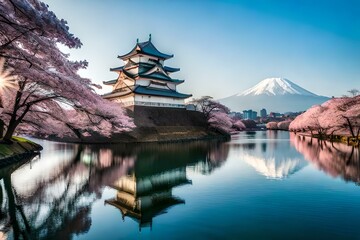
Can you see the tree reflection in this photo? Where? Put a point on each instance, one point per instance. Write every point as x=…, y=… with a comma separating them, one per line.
x=52, y=211
x=12, y=212
x=336, y=159
x=53, y=198
x=216, y=155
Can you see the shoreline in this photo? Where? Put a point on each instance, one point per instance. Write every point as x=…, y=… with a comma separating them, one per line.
x=22, y=148
x=348, y=140
x=18, y=150
x=208, y=137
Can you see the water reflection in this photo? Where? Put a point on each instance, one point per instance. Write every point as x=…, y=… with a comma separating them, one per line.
x=62, y=194
x=143, y=197
x=52, y=197
x=336, y=159
x=270, y=154
x=48, y=198
x=275, y=166
x=146, y=191
x=10, y=211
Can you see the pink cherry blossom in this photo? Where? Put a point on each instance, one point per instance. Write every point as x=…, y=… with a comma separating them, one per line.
x=336, y=116
x=50, y=98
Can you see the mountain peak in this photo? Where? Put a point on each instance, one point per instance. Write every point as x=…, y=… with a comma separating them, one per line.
x=276, y=86
x=274, y=94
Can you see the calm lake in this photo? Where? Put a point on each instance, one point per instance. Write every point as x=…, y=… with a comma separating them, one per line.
x=260, y=185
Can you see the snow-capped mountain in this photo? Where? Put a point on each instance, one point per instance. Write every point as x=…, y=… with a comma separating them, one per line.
x=276, y=86
x=274, y=94
x=275, y=168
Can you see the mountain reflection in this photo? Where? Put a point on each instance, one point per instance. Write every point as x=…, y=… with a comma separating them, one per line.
x=275, y=167
x=270, y=155
x=336, y=159
x=51, y=198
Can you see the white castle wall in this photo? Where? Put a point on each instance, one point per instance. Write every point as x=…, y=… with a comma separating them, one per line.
x=151, y=101
x=125, y=101
x=156, y=101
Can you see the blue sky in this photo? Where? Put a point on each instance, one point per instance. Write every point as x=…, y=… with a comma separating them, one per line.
x=225, y=47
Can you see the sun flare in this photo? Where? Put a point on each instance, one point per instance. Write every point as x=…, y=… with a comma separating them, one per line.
x=6, y=79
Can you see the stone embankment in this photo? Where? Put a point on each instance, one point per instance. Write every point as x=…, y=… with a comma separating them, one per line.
x=155, y=124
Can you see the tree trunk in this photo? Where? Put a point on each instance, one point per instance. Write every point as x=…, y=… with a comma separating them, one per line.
x=75, y=131
x=10, y=131
x=14, y=123
x=1, y=128
x=350, y=126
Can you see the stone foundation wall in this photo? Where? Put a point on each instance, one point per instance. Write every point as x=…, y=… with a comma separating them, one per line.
x=154, y=116
x=156, y=124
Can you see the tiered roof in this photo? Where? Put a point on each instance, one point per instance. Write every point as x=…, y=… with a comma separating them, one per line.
x=147, y=91
x=143, y=72
x=145, y=48
x=145, y=216
x=152, y=70
x=170, y=69
x=135, y=188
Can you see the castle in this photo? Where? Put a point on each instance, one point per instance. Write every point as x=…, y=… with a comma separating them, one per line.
x=144, y=80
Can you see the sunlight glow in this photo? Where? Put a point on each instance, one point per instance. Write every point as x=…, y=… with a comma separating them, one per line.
x=6, y=79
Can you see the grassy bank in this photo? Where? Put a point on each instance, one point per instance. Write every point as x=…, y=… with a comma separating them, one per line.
x=19, y=148
x=352, y=141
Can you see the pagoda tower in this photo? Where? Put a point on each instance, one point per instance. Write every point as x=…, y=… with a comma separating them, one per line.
x=142, y=198
x=144, y=80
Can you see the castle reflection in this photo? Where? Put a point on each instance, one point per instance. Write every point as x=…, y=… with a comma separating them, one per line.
x=52, y=197
x=144, y=197
x=146, y=191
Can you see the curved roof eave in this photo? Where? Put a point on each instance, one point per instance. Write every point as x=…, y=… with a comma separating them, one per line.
x=171, y=69
x=110, y=82
x=146, y=48
x=117, y=69
x=158, y=92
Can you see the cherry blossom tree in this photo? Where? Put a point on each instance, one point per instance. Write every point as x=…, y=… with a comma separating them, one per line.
x=284, y=125
x=50, y=97
x=207, y=105
x=238, y=125
x=308, y=121
x=221, y=122
x=215, y=113
x=337, y=116
x=272, y=125
x=331, y=120
x=250, y=124
x=350, y=111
